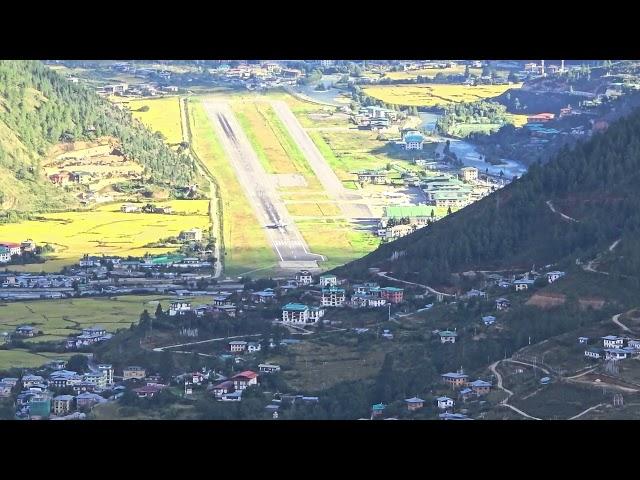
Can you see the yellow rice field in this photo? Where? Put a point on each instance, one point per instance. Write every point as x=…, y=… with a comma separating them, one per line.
x=104, y=230
x=434, y=94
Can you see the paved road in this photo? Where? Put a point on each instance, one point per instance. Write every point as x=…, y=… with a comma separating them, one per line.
x=586, y=411
x=286, y=241
x=615, y=320
x=349, y=202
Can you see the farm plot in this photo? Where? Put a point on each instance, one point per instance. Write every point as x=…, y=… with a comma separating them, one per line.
x=104, y=230
x=160, y=115
x=435, y=95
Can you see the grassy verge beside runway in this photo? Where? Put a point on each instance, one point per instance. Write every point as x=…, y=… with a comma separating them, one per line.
x=337, y=240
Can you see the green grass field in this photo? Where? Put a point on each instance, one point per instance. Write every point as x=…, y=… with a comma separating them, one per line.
x=104, y=230
x=277, y=151
x=58, y=319
x=163, y=116
x=18, y=358
x=337, y=240
x=246, y=243
x=434, y=95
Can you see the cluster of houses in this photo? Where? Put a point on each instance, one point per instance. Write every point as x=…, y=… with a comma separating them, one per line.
x=376, y=118
x=467, y=390
x=147, y=208
x=48, y=396
x=331, y=294
x=38, y=400
x=613, y=347
x=10, y=249
x=64, y=177
x=89, y=336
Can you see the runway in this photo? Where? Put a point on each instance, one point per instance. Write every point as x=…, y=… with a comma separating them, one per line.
x=287, y=242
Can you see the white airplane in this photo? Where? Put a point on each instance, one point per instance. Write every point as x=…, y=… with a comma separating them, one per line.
x=278, y=224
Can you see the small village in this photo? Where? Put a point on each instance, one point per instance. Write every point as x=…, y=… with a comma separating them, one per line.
x=304, y=301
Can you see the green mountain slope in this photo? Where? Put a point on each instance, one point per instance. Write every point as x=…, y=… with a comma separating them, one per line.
x=596, y=184
x=39, y=108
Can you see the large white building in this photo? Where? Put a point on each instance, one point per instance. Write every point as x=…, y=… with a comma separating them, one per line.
x=179, y=307
x=469, y=174
x=333, y=297
x=295, y=313
x=413, y=140
x=304, y=277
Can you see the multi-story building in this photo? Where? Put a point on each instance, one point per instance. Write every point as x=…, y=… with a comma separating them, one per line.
x=328, y=281
x=333, y=297
x=107, y=371
x=469, y=174
x=392, y=294
x=62, y=404
x=179, y=307
x=194, y=234
x=295, y=313
x=133, y=373
x=304, y=277
x=244, y=379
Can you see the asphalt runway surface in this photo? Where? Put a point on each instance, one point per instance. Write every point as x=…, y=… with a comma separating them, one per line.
x=286, y=241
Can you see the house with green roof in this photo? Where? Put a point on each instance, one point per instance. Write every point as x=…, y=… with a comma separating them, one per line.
x=447, y=336
x=416, y=214
x=295, y=313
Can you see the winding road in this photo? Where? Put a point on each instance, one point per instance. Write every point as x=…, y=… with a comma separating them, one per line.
x=509, y=393
x=565, y=217
x=427, y=287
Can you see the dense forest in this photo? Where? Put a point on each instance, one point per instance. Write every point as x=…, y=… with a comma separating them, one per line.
x=596, y=183
x=39, y=108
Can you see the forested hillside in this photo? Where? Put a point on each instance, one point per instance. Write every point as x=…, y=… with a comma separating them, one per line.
x=596, y=184
x=39, y=108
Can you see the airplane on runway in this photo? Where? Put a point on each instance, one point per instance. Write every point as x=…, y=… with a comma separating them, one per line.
x=278, y=225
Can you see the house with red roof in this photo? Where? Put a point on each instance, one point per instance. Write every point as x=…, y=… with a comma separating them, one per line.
x=541, y=118
x=244, y=379
x=148, y=391
x=14, y=248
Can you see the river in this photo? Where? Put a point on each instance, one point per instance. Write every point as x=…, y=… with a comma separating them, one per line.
x=331, y=96
x=468, y=153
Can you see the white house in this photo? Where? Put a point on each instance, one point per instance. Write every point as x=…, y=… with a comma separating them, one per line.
x=295, y=313
x=489, y=320
x=333, y=297
x=523, y=284
x=553, y=276
x=253, y=347
x=179, y=307
x=328, y=280
x=237, y=346
x=445, y=402
x=612, y=341
x=413, y=140
x=304, y=277
x=447, y=336
x=595, y=353
x=315, y=314
x=268, y=368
